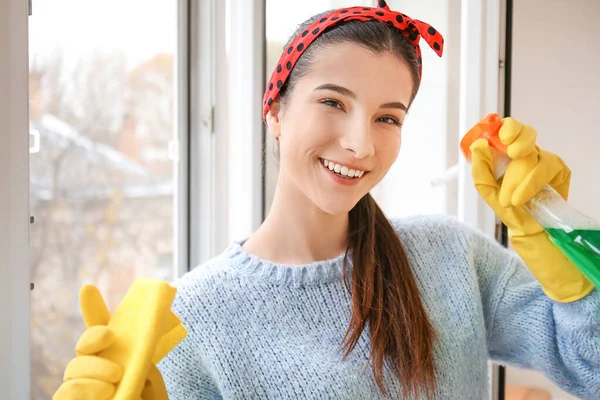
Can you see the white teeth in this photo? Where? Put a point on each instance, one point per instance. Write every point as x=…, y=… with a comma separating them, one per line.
x=343, y=170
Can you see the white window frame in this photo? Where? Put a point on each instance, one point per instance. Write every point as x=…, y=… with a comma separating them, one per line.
x=181, y=140
x=203, y=85
x=227, y=83
x=14, y=201
x=226, y=128
x=245, y=133
x=480, y=94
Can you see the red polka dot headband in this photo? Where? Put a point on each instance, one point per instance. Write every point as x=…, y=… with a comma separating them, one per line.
x=413, y=30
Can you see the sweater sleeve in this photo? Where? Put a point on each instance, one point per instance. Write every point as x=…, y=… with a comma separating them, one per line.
x=527, y=329
x=183, y=371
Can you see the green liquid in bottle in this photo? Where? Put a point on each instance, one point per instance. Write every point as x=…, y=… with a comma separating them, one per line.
x=583, y=249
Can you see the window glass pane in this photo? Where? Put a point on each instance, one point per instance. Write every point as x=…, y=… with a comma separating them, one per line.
x=102, y=91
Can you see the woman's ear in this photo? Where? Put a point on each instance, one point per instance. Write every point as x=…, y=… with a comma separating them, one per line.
x=274, y=119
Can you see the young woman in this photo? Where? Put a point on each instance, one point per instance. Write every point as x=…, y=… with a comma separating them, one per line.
x=328, y=299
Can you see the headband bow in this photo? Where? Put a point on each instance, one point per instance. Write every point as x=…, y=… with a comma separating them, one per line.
x=412, y=29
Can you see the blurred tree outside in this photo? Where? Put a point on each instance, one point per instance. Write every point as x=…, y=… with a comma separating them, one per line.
x=101, y=191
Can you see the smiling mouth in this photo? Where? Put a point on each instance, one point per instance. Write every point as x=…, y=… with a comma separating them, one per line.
x=341, y=170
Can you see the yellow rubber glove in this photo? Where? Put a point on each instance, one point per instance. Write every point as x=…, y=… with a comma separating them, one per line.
x=116, y=355
x=530, y=169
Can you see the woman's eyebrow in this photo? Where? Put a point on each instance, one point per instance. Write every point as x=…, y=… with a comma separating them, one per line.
x=349, y=93
x=395, y=104
x=337, y=88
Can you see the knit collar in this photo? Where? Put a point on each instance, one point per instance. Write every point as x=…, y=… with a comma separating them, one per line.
x=296, y=275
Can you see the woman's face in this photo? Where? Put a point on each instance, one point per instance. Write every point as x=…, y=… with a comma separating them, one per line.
x=339, y=130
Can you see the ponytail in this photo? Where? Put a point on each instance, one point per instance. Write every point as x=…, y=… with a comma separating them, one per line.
x=386, y=298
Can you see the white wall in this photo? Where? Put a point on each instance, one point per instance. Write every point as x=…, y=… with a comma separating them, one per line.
x=556, y=89
x=556, y=86
x=14, y=210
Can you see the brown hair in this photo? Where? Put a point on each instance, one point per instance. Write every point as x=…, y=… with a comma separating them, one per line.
x=384, y=292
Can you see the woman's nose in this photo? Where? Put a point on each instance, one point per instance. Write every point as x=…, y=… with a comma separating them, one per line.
x=358, y=140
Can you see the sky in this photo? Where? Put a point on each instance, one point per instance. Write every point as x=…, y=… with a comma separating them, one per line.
x=140, y=27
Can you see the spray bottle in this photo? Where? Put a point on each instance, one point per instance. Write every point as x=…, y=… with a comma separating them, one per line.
x=575, y=234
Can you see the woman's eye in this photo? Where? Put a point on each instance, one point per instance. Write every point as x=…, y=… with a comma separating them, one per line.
x=390, y=120
x=332, y=103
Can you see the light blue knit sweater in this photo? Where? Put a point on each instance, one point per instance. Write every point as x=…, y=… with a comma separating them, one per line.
x=259, y=330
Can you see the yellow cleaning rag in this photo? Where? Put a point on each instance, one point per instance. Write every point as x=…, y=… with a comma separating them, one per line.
x=141, y=332
x=146, y=330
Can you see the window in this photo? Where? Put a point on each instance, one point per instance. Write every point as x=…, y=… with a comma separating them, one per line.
x=103, y=181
